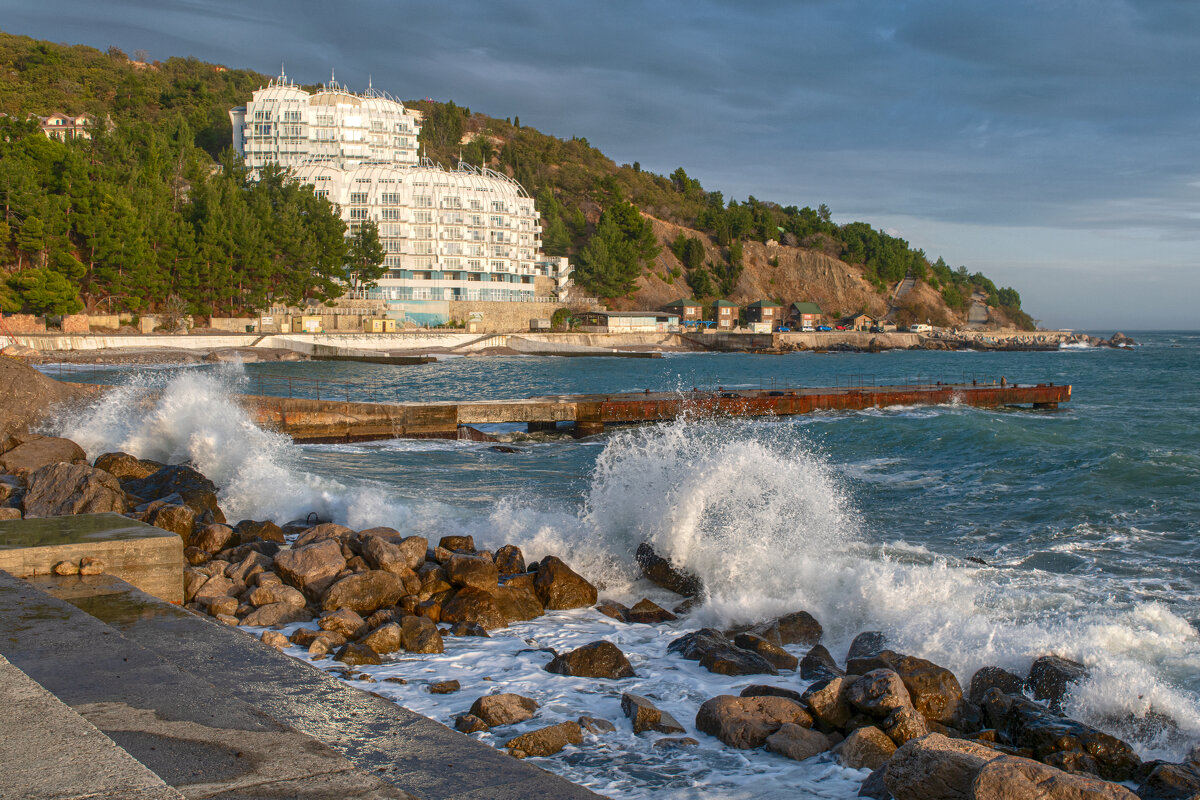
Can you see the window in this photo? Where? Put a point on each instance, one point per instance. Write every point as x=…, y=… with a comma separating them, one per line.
x=422, y=216
x=322, y=193
x=358, y=197
x=390, y=199
x=423, y=232
x=358, y=214
x=476, y=205
x=390, y=213
x=423, y=201
x=498, y=205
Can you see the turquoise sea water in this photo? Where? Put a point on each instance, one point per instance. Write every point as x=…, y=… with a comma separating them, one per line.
x=1087, y=518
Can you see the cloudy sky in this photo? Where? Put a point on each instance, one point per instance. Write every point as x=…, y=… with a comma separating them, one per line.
x=1052, y=144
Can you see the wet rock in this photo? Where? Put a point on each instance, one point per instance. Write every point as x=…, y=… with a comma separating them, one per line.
x=193, y=579
x=763, y=690
x=274, y=639
x=195, y=556
x=799, y=627
x=1010, y=778
x=63, y=489
x=994, y=677
x=828, y=702
x=223, y=606
x=717, y=654
x=216, y=586
x=903, y=725
x=444, y=687
x=1051, y=677
x=420, y=635
x=355, y=654
x=249, y=530
x=433, y=579
x=596, y=725
x=818, y=664
x=866, y=644
x=509, y=560
x=381, y=554
x=66, y=568
x=517, y=599
x=364, y=592
x=250, y=565
x=384, y=639
x=878, y=693
x=197, y=491
x=277, y=614
x=211, y=538
x=459, y=543
x=37, y=451
x=594, y=660
x=311, y=569
x=935, y=767
x=648, y=612
x=344, y=621
x=468, y=629
x=91, y=565
x=797, y=742
x=645, y=716
x=322, y=532
x=1057, y=740
x=673, y=742
x=469, y=723
x=874, y=787
x=472, y=571
x=611, y=608
x=178, y=519
x=1171, y=782
x=746, y=722
x=504, y=709
x=934, y=691
x=662, y=572
x=473, y=605
x=276, y=593
x=413, y=548
x=560, y=587
x=126, y=467
x=772, y=653
x=547, y=741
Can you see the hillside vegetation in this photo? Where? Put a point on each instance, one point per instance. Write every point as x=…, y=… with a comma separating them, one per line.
x=155, y=213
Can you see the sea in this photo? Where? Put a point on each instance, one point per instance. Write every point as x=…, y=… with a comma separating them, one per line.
x=970, y=537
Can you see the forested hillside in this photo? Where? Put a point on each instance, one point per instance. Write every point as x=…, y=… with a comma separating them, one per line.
x=153, y=212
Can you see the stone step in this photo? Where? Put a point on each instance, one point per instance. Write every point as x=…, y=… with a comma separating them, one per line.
x=196, y=737
x=48, y=752
x=405, y=748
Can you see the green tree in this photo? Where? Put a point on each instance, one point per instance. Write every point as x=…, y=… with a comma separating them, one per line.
x=364, y=257
x=43, y=291
x=31, y=239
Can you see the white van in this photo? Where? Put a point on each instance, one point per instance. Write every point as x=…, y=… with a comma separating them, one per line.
x=920, y=327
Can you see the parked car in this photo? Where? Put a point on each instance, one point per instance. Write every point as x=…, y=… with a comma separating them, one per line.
x=841, y=327
x=824, y=328
x=807, y=329
x=784, y=329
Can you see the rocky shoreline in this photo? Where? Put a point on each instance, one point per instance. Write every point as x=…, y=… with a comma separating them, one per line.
x=363, y=597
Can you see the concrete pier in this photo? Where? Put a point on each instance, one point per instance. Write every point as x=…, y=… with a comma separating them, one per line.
x=335, y=421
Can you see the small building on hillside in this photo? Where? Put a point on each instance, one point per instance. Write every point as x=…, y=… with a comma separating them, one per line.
x=688, y=310
x=857, y=322
x=725, y=314
x=627, y=322
x=805, y=315
x=766, y=312
x=65, y=127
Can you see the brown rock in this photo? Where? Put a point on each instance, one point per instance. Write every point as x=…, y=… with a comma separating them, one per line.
x=460, y=543
x=935, y=767
x=474, y=605
x=223, y=606
x=178, y=519
x=274, y=639
x=994, y=677
x=765, y=690
x=60, y=490
x=645, y=716
x=547, y=741
x=648, y=612
x=560, y=587
x=322, y=532
x=596, y=725
x=433, y=579
x=345, y=621
x=413, y=548
x=29, y=396
x=1012, y=778
x=504, y=709
x=384, y=639
x=355, y=654
x=469, y=723
x=1050, y=677
x=195, y=556
x=420, y=635
x=379, y=553
x=799, y=627
x=123, y=466
x=469, y=629
x=10, y=513
x=193, y=579
x=311, y=569
x=472, y=571
x=611, y=608
x=364, y=592
x=903, y=725
x=797, y=742
x=746, y=722
x=444, y=687
x=775, y=655
x=277, y=614
x=933, y=690
x=717, y=654
x=197, y=491
x=276, y=593
x=818, y=664
x=216, y=586
x=516, y=600
x=251, y=565
x=879, y=693
x=66, y=568
x=594, y=660
x=91, y=565
x=865, y=748
x=40, y=451
x=211, y=538
x=828, y=701
x=509, y=560
x=662, y=572
x=675, y=741
x=306, y=636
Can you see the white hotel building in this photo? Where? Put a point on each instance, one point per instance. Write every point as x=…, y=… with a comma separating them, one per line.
x=462, y=234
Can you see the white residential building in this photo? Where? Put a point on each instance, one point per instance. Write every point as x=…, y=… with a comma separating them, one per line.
x=462, y=234
x=284, y=124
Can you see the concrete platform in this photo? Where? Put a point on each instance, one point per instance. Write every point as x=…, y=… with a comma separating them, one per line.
x=145, y=556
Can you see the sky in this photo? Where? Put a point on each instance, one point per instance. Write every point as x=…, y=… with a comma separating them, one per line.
x=1052, y=144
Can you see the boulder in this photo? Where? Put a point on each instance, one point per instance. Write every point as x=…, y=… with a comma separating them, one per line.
x=469, y=629
x=866, y=644
x=273, y=593
x=469, y=723
x=746, y=722
x=9, y=513
x=210, y=538
x=662, y=572
x=560, y=587
x=509, y=560
x=935, y=767
x=879, y=693
x=613, y=609
x=828, y=701
x=250, y=566
x=321, y=532
x=647, y=612
x=1012, y=778
x=39, y=451
x=276, y=614
x=993, y=677
x=459, y=543
x=29, y=396
x=274, y=639
x=1171, y=782
x=413, y=548
x=865, y=748
x=903, y=725
x=472, y=571
x=306, y=636
x=344, y=621
x=214, y=587
x=355, y=654
x=91, y=565
x=58, y=490
x=311, y=569
x=384, y=639
x=594, y=660
x=1050, y=677
x=818, y=664
x=772, y=653
x=445, y=687
x=934, y=690
x=797, y=742
x=193, y=579
x=717, y=654
x=517, y=600
x=364, y=592
x=799, y=627
x=596, y=725
x=433, y=579
x=249, y=530
x=197, y=491
x=504, y=709
x=763, y=690
x=420, y=635
x=379, y=553
x=126, y=467
x=473, y=605
x=178, y=519
x=546, y=741
x=645, y=716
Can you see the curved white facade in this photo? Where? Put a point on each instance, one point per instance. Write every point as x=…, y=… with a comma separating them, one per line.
x=463, y=234
x=284, y=124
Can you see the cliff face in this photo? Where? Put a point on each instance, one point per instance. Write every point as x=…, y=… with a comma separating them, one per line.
x=802, y=274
